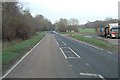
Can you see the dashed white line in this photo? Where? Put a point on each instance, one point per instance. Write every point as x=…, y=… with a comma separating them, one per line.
x=75, y=53
x=63, y=53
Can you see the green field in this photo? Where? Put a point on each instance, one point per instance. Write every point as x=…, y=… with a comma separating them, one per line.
x=64, y=32
x=87, y=31
x=11, y=53
x=93, y=41
x=81, y=31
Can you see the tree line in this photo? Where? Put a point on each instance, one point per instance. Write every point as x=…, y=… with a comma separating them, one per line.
x=20, y=24
x=99, y=23
x=64, y=25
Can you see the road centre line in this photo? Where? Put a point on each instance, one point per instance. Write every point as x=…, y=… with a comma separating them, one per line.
x=63, y=53
x=75, y=53
x=13, y=67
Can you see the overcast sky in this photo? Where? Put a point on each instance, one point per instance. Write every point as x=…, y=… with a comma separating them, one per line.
x=83, y=10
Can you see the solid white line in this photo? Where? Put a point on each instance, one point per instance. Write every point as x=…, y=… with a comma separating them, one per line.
x=21, y=59
x=88, y=74
x=63, y=53
x=75, y=53
x=63, y=43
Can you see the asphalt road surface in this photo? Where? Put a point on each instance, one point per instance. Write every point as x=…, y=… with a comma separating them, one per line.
x=62, y=57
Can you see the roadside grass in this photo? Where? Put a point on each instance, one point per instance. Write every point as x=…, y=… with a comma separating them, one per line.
x=63, y=32
x=87, y=31
x=81, y=31
x=13, y=52
x=94, y=41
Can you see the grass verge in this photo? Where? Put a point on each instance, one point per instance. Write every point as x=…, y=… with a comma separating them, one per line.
x=81, y=31
x=12, y=53
x=64, y=32
x=95, y=42
x=87, y=31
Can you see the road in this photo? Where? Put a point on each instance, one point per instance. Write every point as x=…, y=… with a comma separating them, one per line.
x=58, y=56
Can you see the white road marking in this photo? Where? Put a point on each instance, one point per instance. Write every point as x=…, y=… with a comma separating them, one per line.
x=70, y=65
x=75, y=53
x=100, y=76
x=101, y=49
x=84, y=43
x=63, y=53
x=60, y=39
x=87, y=64
x=57, y=43
x=72, y=57
x=63, y=43
x=88, y=74
x=109, y=52
x=21, y=59
x=64, y=47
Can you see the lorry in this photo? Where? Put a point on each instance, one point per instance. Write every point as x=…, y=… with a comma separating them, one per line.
x=111, y=30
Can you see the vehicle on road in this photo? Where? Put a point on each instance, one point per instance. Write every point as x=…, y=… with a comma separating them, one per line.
x=111, y=30
x=52, y=32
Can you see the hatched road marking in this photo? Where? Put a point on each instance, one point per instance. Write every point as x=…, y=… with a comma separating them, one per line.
x=90, y=74
x=75, y=53
x=63, y=53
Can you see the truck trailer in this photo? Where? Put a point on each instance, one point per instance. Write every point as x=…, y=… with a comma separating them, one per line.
x=111, y=30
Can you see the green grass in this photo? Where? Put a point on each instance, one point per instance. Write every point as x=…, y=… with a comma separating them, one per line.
x=87, y=31
x=10, y=53
x=93, y=41
x=64, y=32
x=81, y=31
